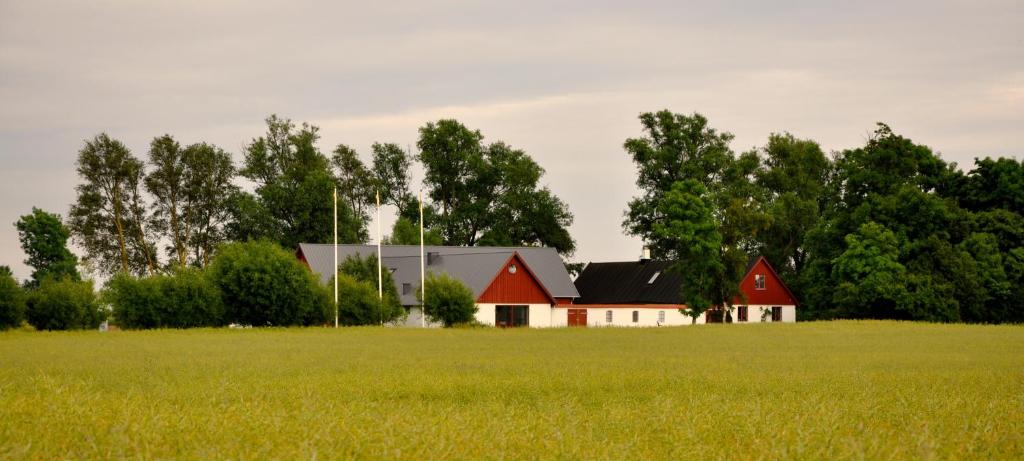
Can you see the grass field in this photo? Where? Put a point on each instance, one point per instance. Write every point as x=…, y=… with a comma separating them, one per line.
x=811, y=390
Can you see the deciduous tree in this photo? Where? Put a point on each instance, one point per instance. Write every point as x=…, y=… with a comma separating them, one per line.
x=44, y=239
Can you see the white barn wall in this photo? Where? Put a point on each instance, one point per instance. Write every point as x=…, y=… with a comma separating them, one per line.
x=540, y=314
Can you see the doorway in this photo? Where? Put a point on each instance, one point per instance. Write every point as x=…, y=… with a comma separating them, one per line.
x=577, y=317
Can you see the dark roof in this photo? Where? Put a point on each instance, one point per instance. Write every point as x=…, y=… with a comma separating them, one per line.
x=474, y=266
x=629, y=283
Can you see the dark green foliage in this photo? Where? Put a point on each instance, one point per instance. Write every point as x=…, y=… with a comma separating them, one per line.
x=44, y=238
x=356, y=184
x=184, y=298
x=294, y=186
x=488, y=194
x=360, y=275
x=449, y=301
x=262, y=284
x=191, y=188
x=675, y=147
x=688, y=230
x=12, y=301
x=64, y=304
x=994, y=184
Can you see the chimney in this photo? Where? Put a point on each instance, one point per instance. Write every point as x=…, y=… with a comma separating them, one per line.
x=645, y=254
x=431, y=257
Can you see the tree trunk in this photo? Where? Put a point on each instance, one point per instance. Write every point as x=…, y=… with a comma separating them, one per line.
x=121, y=241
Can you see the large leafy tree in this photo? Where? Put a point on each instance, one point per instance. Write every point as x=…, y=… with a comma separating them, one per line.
x=108, y=219
x=793, y=177
x=191, y=188
x=44, y=238
x=689, y=231
x=391, y=169
x=356, y=183
x=674, y=147
x=489, y=194
x=294, y=187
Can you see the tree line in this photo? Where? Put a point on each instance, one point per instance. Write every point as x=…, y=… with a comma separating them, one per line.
x=888, y=230
x=173, y=209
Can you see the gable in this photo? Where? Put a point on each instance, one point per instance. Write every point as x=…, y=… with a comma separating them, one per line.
x=774, y=292
x=518, y=286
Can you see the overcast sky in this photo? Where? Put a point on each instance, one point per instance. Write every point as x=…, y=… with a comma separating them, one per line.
x=564, y=81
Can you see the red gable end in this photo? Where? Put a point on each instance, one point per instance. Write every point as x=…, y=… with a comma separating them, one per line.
x=774, y=292
x=517, y=285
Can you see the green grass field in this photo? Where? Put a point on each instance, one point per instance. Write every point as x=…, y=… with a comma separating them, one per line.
x=811, y=390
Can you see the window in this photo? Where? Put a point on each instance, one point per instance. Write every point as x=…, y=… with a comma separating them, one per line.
x=759, y=282
x=776, y=313
x=406, y=288
x=661, y=317
x=653, y=278
x=741, y=313
x=636, y=316
x=511, y=316
x=608, y=316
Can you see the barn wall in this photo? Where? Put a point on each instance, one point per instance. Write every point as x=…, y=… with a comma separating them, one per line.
x=774, y=292
x=518, y=288
x=540, y=314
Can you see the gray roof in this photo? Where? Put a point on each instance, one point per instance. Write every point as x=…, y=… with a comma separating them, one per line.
x=475, y=266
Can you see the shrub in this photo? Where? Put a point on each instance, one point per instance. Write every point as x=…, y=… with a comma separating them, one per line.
x=359, y=302
x=183, y=299
x=262, y=284
x=12, y=302
x=64, y=304
x=449, y=301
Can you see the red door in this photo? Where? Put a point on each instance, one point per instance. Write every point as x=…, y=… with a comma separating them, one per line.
x=577, y=317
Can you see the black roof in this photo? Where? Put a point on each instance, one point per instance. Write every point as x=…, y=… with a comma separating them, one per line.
x=629, y=282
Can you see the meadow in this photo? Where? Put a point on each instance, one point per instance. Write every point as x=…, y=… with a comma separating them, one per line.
x=862, y=390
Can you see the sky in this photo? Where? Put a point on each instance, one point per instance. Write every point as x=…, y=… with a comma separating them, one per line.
x=564, y=81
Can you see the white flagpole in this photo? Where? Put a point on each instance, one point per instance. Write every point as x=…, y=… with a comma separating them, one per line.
x=380, y=271
x=423, y=271
x=335, y=257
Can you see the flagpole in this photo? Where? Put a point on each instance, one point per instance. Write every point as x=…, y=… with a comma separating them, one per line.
x=423, y=270
x=335, y=257
x=380, y=271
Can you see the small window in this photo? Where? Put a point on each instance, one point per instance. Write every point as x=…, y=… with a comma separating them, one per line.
x=653, y=278
x=776, y=313
x=741, y=313
x=406, y=288
x=759, y=281
x=636, y=316
x=661, y=317
x=608, y=316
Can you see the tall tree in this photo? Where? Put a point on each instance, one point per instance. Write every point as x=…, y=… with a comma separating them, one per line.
x=355, y=183
x=107, y=219
x=793, y=178
x=489, y=194
x=688, y=230
x=294, y=186
x=391, y=168
x=208, y=189
x=44, y=238
x=170, y=202
x=674, y=147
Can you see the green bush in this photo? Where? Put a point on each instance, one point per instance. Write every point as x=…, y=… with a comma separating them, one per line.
x=449, y=301
x=12, y=302
x=183, y=299
x=262, y=284
x=64, y=304
x=358, y=303
x=358, y=300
